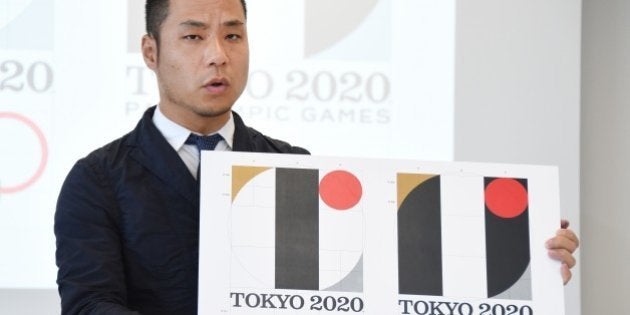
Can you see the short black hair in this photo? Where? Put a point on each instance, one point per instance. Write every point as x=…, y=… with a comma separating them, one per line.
x=156, y=12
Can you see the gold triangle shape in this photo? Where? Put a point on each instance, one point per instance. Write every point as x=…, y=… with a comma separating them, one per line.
x=241, y=175
x=408, y=182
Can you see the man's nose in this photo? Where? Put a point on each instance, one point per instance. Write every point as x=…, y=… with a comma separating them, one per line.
x=216, y=54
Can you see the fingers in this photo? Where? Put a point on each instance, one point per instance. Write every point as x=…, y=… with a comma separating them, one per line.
x=566, y=273
x=563, y=256
x=561, y=247
x=564, y=239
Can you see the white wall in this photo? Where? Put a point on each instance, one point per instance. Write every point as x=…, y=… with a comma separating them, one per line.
x=605, y=157
x=517, y=92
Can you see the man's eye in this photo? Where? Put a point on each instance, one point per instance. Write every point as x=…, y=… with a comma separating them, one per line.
x=233, y=37
x=192, y=37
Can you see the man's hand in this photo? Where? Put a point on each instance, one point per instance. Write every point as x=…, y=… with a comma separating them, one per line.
x=561, y=248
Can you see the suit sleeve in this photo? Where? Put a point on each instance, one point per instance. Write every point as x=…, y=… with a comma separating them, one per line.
x=91, y=276
x=299, y=150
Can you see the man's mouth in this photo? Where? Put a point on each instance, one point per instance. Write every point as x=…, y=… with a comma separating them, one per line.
x=216, y=86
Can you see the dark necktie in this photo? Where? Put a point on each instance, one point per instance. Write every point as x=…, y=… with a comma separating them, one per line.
x=203, y=143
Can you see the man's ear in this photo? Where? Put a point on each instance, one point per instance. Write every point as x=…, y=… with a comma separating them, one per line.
x=150, y=51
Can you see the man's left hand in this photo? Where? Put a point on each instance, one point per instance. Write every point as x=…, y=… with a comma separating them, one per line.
x=561, y=248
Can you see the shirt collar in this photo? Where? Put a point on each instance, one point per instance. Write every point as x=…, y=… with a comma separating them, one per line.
x=176, y=135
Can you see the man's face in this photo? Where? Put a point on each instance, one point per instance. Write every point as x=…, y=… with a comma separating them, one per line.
x=201, y=63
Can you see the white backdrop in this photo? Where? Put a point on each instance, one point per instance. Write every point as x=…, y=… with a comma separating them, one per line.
x=357, y=92
x=372, y=78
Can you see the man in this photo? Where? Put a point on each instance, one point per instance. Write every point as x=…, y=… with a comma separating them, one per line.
x=127, y=220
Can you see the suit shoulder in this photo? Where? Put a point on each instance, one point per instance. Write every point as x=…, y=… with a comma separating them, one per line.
x=108, y=155
x=263, y=143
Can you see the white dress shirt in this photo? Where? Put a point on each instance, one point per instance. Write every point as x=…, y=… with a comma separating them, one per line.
x=176, y=136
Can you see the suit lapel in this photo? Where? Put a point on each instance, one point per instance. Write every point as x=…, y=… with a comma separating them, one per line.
x=242, y=137
x=153, y=152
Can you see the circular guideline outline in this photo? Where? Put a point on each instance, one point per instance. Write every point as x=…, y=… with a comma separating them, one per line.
x=44, y=156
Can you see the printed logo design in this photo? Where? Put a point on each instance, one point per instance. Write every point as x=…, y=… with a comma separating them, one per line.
x=419, y=235
x=421, y=245
x=507, y=238
x=19, y=16
x=347, y=25
x=298, y=229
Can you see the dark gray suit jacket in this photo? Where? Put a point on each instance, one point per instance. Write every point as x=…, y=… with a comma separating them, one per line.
x=127, y=225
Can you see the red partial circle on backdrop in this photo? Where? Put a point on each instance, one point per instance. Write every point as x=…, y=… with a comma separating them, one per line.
x=340, y=190
x=506, y=198
x=44, y=155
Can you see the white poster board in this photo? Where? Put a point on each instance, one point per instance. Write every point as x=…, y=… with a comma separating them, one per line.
x=287, y=234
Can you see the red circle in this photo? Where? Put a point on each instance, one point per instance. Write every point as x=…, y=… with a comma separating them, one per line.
x=340, y=190
x=44, y=157
x=506, y=197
